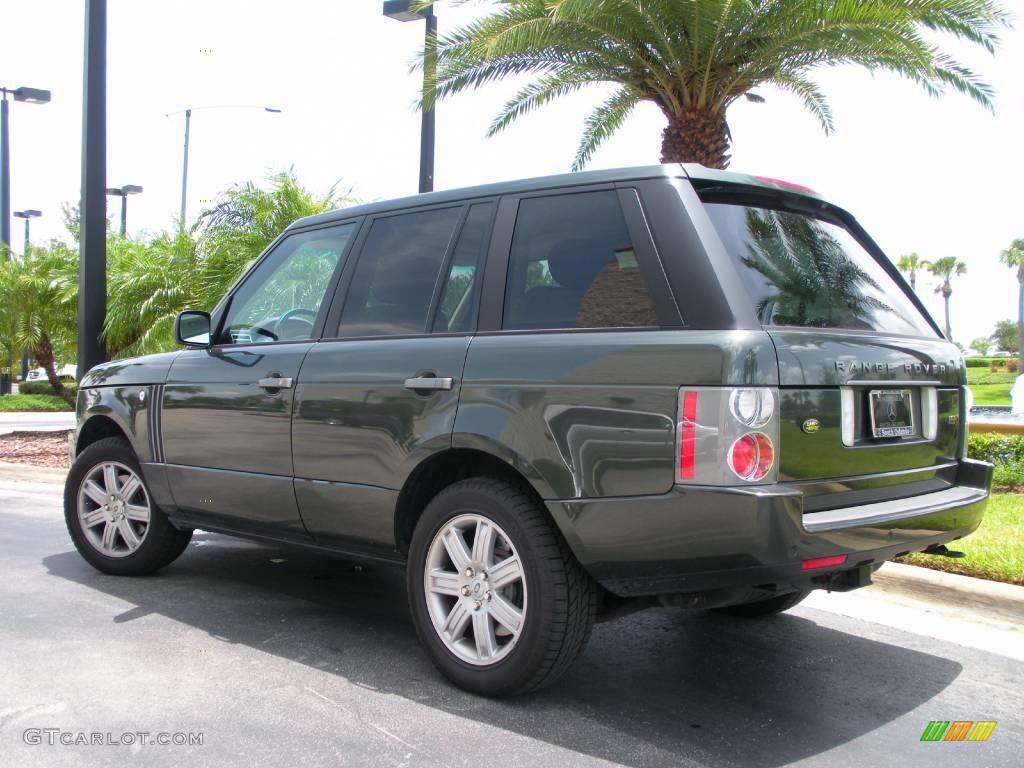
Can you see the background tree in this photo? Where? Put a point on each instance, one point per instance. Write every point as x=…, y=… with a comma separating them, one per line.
x=982, y=345
x=694, y=58
x=155, y=280
x=1013, y=257
x=944, y=269
x=39, y=296
x=910, y=264
x=1006, y=336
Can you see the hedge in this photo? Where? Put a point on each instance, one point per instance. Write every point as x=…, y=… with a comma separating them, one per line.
x=42, y=388
x=1005, y=451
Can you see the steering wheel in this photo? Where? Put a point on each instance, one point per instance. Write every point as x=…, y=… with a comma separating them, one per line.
x=303, y=315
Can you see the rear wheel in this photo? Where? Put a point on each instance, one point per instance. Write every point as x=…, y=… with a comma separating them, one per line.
x=497, y=598
x=111, y=516
x=762, y=608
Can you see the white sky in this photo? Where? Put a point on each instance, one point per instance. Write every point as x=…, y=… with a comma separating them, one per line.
x=940, y=177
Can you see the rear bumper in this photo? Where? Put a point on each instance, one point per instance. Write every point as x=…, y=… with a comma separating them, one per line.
x=696, y=539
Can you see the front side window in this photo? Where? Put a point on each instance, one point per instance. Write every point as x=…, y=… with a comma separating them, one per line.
x=280, y=299
x=808, y=272
x=396, y=274
x=573, y=265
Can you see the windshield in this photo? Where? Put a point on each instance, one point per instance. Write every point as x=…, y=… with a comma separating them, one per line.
x=808, y=272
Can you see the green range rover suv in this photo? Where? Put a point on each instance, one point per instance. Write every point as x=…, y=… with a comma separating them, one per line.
x=548, y=399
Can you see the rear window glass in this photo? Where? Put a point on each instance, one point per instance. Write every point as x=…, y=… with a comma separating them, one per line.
x=807, y=272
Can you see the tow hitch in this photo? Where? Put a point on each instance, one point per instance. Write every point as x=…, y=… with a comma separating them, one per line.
x=940, y=550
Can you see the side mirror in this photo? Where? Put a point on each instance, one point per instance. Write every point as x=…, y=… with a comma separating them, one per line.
x=192, y=328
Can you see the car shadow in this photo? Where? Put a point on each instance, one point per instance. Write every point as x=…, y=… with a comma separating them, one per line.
x=658, y=687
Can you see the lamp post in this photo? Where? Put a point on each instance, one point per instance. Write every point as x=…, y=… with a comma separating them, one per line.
x=28, y=214
x=401, y=10
x=188, y=130
x=92, y=262
x=29, y=96
x=123, y=192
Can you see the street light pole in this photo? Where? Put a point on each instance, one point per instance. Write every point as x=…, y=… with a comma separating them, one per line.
x=30, y=96
x=184, y=168
x=27, y=215
x=123, y=192
x=92, y=270
x=401, y=10
x=188, y=127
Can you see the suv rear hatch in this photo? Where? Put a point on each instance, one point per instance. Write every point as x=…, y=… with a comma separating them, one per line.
x=870, y=391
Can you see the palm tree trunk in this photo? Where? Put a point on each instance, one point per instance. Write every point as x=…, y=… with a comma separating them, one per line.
x=696, y=136
x=44, y=354
x=949, y=331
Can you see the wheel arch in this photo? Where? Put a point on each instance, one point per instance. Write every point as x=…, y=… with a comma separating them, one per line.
x=442, y=469
x=98, y=427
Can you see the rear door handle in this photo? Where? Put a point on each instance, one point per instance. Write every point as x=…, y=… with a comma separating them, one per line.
x=429, y=382
x=276, y=382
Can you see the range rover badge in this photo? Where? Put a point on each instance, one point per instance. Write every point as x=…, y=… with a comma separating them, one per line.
x=811, y=426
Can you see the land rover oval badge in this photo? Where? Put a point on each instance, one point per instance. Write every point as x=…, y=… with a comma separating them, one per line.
x=811, y=426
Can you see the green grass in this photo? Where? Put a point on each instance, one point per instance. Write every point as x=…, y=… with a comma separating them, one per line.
x=995, y=551
x=14, y=403
x=984, y=376
x=991, y=394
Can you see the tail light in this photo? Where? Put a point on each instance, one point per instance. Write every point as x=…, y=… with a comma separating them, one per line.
x=727, y=435
x=752, y=456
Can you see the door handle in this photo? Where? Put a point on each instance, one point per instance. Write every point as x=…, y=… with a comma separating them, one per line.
x=429, y=382
x=276, y=382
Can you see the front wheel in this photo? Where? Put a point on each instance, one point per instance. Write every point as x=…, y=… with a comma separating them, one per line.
x=111, y=517
x=497, y=598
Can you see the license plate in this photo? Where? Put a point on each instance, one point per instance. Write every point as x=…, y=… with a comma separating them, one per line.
x=892, y=412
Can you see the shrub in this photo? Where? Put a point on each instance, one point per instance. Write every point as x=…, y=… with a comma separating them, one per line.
x=1005, y=451
x=993, y=368
x=42, y=388
x=1012, y=365
x=976, y=362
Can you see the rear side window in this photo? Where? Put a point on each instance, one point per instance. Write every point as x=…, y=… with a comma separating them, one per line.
x=573, y=265
x=808, y=272
x=396, y=274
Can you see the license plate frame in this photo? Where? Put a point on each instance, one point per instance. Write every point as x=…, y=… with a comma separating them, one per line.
x=897, y=420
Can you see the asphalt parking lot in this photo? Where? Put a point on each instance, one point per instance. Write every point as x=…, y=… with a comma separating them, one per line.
x=283, y=658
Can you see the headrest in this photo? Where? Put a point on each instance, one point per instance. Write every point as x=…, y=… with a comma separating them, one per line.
x=412, y=284
x=574, y=263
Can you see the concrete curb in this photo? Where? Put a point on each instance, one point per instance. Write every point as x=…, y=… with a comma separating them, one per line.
x=1001, y=602
x=11, y=472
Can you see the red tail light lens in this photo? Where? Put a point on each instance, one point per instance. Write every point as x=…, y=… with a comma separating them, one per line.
x=687, y=434
x=823, y=562
x=751, y=456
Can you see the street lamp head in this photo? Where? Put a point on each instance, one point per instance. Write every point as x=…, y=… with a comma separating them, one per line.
x=31, y=95
x=30, y=213
x=131, y=189
x=401, y=10
x=273, y=110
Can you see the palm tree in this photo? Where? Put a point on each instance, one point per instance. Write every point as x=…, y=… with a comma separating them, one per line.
x=38, y=293
x=1013, y=257
x=909, y=264
x=944, y=269
x=150, y=283
x=694, y=58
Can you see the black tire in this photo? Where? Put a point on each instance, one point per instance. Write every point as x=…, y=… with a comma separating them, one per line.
x=562, y=596
x=762, y=608
x=162, y=543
